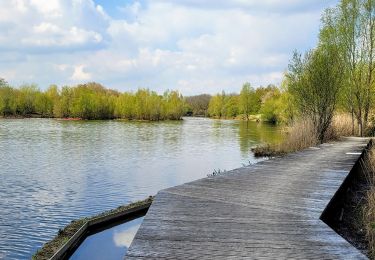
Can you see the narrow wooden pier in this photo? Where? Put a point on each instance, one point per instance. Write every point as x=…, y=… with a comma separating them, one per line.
x=270, y=210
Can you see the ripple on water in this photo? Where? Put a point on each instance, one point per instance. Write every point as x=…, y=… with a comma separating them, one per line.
x=55, y=171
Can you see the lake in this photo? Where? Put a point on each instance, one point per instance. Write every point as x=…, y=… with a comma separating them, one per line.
x=54, y=171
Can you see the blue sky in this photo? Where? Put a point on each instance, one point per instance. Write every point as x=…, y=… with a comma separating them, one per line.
x=190, y=45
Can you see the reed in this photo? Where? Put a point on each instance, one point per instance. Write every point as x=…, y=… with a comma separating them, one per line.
x=299, y=135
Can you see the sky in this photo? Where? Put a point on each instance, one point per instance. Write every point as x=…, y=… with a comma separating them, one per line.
x=193, y=46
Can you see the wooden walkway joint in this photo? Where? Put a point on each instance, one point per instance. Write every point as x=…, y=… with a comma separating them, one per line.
x=270, y=210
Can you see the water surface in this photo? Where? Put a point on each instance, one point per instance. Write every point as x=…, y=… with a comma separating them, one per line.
x=110, y=244
x=55, y=171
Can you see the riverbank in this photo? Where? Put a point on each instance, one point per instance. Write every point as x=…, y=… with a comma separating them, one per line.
x=64, y=234
x=253, y=118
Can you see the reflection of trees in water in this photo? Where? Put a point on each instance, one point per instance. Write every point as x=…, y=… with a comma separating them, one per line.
x=253, y=133
x=220, y=129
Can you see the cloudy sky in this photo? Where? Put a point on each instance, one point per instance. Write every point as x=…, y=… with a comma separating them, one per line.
x=194, y=46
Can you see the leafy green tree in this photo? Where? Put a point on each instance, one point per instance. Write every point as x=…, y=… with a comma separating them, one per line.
x=43, y=105
x=249, y=101
x=352, y=26
x=26, y=100
x=315, y=82
x=125, y=106
x=64, y=106
x=216, y=105
x=174, y=104
x=230, y=109
x=8, y=102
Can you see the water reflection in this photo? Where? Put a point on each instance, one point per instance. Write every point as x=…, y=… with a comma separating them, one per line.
x=108, y=244
x=253, y=133
x=55, y=171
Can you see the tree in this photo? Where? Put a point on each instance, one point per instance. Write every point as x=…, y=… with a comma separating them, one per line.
x=230, y=108
x=216, y=105
x=125, y=106
x=8, y=103
x=352, y=25
x=174, y=105
x=198, y=105
x=315, y=81
x=249, y=101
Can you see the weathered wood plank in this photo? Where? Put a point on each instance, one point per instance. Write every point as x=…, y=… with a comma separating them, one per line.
x=270, y=210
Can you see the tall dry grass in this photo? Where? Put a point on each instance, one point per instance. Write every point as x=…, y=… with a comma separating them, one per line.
x=341, y=126
x=301, y=134
x=369, y=207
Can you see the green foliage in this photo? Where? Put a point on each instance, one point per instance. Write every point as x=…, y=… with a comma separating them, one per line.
x=224, y=106
x=274, y=105
x=174, y=106
x=8, y=102
x=230, y=109
x=271, y=109
x=215, y=107
x=250, y=101
x=350, y=27
x=89, y=101
x=314, y=82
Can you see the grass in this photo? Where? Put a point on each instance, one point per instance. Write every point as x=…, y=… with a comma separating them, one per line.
x=301, y=135
x=341, y=126
x=368, y=216
x=63, y=235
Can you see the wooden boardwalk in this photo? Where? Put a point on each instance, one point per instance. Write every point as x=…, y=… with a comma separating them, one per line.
x=270, y=210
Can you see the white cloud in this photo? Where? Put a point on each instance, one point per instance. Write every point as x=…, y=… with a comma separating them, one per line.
x=79, y=74
x=124, y=238
x=51, y=25
x=190, y=45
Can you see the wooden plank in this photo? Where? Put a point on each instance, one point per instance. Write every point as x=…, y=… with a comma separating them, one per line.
x=268, y=210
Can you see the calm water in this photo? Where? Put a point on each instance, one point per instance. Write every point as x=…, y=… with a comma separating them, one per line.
x=55, y=171
x=110, y=244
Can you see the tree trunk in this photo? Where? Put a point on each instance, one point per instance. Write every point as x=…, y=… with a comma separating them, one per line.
x=352, y=122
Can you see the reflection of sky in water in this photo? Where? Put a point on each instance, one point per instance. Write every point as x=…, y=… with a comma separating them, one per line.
x=55, y=171
x=108, y=244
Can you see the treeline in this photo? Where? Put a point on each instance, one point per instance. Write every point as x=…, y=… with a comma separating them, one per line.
x=89, y=101
x=268, y=102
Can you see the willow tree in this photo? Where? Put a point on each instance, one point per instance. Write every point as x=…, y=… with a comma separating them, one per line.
x=315, y=81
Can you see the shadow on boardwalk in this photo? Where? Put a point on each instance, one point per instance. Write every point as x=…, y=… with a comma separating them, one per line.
x=268, y=210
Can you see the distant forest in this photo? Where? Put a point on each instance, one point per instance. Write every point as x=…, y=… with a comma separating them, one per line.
x=89, y=101
x=94, y=101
